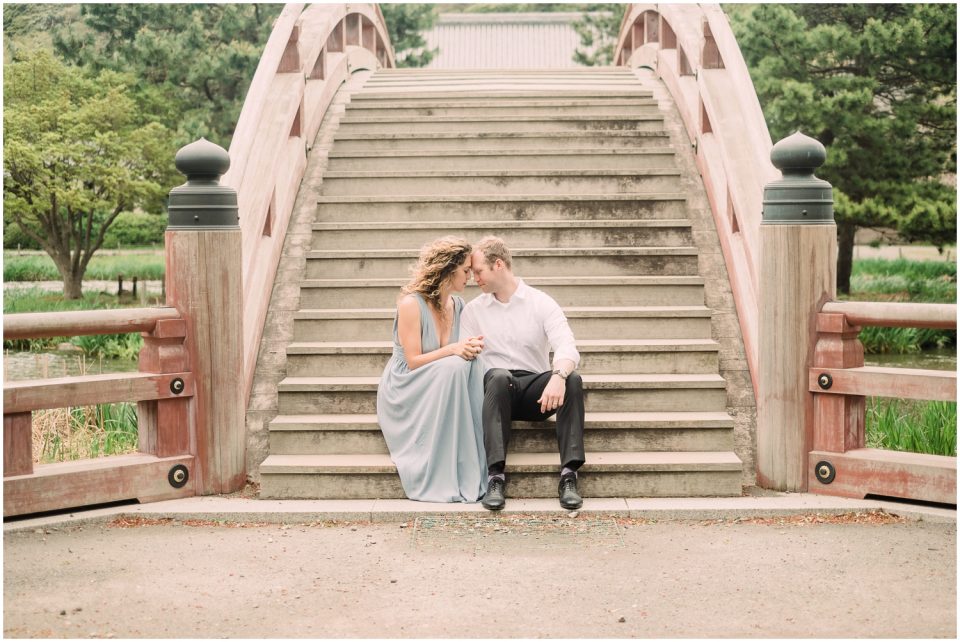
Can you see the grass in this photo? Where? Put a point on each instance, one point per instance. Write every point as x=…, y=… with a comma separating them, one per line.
x=928, y=427
x=902, y=280
x=103, y=267
x=115, y=346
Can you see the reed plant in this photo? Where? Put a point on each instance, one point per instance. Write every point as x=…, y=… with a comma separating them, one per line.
x=83, y=432
x=86, y=432
x=928, y=427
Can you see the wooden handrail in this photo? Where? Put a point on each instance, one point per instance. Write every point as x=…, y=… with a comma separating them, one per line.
x=25, y=396
x=896, y=315
x=35, y=325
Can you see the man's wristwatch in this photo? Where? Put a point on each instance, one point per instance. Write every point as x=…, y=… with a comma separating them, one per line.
x=563, y=373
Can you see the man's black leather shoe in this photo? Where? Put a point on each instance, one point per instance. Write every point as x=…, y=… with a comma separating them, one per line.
x=494, y=499
x=569, y=497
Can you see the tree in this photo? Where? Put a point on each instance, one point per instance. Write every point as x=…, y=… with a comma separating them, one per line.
x=406, y=24
x=192, y=63
x=74, y=157
x=599, y=30
x=876, y=84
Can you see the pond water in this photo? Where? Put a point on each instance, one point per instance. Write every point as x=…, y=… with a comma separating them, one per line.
x=944, y=359
x=18, y=366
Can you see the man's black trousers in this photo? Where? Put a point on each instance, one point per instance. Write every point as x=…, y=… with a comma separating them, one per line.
x=512, y=395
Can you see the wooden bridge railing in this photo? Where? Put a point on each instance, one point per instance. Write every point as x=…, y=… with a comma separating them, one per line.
x=694, y=52
x=840, y=383
x=163, y=388
x=309, y=54
x=190, y=398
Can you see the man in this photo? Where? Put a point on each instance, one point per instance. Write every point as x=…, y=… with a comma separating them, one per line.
x=519, y=325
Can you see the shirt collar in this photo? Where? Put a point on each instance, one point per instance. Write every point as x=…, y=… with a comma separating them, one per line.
x=519, y=293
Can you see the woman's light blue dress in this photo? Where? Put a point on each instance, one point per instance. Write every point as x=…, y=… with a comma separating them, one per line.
x=431, y=418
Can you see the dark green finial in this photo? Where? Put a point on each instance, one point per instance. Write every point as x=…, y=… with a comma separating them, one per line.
x=799, y=197
x=201, y=202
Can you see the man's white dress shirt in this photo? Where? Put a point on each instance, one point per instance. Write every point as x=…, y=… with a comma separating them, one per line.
x=519, y=334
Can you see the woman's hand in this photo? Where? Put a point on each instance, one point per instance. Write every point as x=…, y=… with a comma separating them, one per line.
x=468, y=349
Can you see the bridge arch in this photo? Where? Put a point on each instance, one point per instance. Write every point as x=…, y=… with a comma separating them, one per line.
x=310, y=53
x=692, y=49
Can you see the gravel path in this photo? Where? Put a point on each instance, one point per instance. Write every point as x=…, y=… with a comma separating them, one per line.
x=499, y=578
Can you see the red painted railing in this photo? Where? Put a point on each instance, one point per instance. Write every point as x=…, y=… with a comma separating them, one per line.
x=840, y=383
x=183, y=448
x=163, y=388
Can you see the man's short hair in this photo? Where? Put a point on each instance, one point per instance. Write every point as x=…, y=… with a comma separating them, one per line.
x=493, y=248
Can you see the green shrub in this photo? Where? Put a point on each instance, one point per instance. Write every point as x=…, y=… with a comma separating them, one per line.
x=14, y=238
x=135, y=229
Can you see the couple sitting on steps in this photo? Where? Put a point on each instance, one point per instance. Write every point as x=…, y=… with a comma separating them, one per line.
x=460, y=374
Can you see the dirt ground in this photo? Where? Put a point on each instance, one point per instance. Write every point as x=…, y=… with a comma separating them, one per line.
x=463, y=577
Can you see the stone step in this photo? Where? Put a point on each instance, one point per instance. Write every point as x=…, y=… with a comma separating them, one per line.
x=680, y=322
x=529, y=76
x=515, y=107
x=491, y=124
x=433, y=94
x=639, y=356
x=501, y=207
x=389, y=235
x=602, y=393
x=603, y=432
x=610, y=181
x=490, y=160
x=469, y=85
x=605, y=261
x=567, y=291
x=605, y=474
x=353, y=142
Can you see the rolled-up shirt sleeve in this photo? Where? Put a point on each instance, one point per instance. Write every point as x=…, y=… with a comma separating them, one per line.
x=559, y=334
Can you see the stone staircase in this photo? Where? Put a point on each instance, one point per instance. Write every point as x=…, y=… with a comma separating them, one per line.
x=575, y=170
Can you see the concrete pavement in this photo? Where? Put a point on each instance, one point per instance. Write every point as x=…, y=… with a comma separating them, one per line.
x=756, y=566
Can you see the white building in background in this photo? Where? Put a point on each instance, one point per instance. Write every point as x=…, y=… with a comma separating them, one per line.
x=503, y=40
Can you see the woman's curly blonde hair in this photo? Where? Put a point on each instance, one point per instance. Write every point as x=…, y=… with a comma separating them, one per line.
x=438, y=260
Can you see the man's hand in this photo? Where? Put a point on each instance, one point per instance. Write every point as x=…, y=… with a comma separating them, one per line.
x=552, y=397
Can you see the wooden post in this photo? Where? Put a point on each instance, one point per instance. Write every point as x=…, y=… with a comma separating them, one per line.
x=839, y=419
x=164, y=425
x=18, y=444
x=798, y=261
x=204, y=284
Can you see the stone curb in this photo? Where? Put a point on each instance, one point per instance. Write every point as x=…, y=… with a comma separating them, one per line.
x=237, y=510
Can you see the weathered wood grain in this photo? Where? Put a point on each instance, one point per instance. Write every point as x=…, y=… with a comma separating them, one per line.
x=797, y=276
x=896, y=315
x=839, y=420
x=94, y=481
x=24, y=396
x=204, y=283
x=886, y=473
x=903, y=383
x=17, y=444
x=34, y=325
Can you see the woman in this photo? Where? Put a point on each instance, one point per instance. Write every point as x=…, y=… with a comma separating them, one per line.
x=430, y=398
